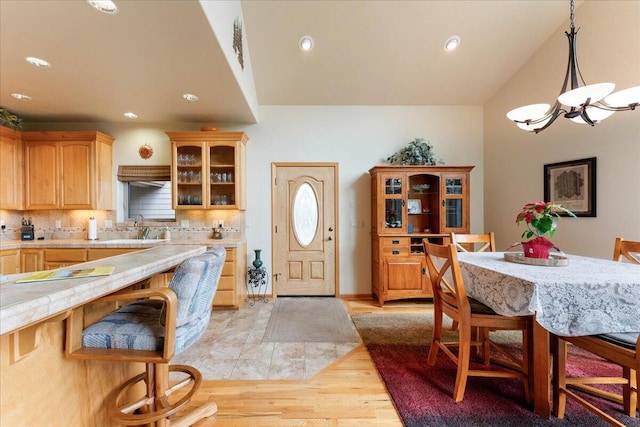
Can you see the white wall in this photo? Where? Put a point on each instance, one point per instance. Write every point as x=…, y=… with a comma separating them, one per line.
x=608, y=50
x=358, y=138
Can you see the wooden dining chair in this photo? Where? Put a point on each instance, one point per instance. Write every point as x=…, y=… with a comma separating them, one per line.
x=622, y=349
x=626, y=250
x=474, y=242
x=159, y=323
x=450, y=298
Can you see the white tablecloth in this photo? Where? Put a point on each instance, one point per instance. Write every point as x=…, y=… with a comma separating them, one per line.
x=589, y=296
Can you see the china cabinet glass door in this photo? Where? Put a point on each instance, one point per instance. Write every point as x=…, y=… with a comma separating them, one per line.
x=453, y=209
x=188, y=175
x=393, y=194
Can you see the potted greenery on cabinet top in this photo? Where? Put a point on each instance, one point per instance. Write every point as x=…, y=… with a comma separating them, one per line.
x=417, y=152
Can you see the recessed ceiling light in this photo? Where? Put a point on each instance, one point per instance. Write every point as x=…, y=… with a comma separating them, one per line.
x=190, y=97
x=21, y=96
x=452, y=43
x=131, y=115
x=105, y=6
x=306, y=43
x=37, y=62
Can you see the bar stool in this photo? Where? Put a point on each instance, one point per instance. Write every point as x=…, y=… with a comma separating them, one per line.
x=158, y=324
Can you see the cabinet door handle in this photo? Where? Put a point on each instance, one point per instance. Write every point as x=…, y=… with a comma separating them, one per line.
x=395, y=242
x=329, y=238
x=443, y=203
x=330, y=228
x=395, y=252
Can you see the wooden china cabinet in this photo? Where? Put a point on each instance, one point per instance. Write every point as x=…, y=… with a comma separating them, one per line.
x=208, y=169
x=408, y=204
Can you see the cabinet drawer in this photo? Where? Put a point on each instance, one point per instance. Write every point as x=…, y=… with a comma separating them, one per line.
x=228, y=269
x=231, y=255
x=390, y=251
x=227, y=284
x=65, y=255
x=225, y=298
x=395, y=241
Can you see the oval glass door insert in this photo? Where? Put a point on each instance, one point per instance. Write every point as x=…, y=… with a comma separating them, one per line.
x=305, y=214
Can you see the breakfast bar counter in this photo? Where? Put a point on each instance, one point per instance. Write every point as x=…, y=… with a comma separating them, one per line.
x=23, y=304
x=39, y=386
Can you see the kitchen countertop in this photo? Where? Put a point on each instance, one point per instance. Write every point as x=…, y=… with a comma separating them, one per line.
x=24, y=304
x=115, y=243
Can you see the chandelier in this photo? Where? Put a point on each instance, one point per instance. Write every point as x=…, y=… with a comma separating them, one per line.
x=588, y=104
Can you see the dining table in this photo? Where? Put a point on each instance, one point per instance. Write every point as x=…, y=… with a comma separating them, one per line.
x=586, y=296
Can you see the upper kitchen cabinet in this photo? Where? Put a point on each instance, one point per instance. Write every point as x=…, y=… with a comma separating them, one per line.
x=67, y=170
x=11, y=166
x=208, y=169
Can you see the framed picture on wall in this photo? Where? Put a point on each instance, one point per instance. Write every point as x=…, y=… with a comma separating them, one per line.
x=573, y=185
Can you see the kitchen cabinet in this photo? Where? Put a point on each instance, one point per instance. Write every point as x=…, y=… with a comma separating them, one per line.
x=208, y=170
x=62, y=257
x=31, y=260
x=10, y=261
x=67, y=170
x=232, y=286
x=409, y=204
x=12, y=169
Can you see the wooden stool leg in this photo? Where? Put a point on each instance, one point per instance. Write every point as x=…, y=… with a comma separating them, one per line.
x=161, y=387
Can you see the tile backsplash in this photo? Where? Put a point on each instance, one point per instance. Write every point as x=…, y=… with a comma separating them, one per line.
x=73, y=224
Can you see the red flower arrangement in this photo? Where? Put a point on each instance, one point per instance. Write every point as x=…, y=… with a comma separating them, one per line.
x=540, y=218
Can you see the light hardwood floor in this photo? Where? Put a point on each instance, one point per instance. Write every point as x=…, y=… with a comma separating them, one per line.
x=347, y=393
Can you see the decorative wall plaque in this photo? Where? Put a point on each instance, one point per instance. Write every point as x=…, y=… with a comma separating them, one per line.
x=237, y=41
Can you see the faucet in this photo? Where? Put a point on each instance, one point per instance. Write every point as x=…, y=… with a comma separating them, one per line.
x=143, y=231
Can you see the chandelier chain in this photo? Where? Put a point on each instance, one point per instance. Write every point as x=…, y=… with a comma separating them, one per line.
x=571, y=8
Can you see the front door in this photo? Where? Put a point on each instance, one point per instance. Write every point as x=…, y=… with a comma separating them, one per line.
x=305, y=229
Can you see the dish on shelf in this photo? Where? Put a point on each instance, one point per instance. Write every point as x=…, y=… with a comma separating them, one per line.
x=421, y=188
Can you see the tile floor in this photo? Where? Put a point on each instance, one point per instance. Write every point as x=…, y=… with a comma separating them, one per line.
x=232, y=348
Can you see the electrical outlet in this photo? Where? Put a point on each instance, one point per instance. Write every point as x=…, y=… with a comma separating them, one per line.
x=215, y=223
x=108, y=223
x=221, y=223
x=58, y=224
x=184, y=223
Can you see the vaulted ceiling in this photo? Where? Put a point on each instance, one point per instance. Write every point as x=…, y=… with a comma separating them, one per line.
x=146, y=56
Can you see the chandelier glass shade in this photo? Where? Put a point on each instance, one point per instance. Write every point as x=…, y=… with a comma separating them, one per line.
x=579, y=102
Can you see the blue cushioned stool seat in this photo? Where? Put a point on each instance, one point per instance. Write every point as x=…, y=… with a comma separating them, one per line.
x=133, y=327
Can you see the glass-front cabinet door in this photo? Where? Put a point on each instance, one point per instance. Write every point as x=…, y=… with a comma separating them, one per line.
x=187, y=176
x=454, y=191
x=222, y=175
x=393, y=203
x=208, y=170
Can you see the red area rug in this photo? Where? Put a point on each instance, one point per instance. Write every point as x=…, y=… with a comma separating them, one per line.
x=422, y=394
